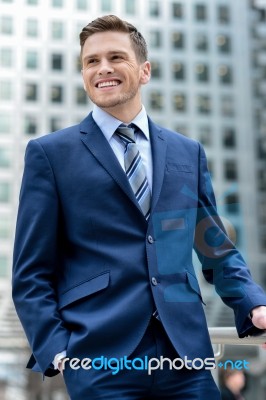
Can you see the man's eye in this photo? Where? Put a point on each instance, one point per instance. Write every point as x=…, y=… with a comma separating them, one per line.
x=117, y=57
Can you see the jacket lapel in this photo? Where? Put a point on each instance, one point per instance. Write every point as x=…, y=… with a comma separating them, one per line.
x=158, y=145
x=95, y=141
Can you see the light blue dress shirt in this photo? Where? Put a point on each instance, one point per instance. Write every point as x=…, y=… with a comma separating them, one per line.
x=108, y=125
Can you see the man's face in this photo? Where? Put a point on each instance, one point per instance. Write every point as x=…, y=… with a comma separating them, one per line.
x=111, y=73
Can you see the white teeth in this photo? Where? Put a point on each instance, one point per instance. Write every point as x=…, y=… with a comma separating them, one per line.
x=108, y=83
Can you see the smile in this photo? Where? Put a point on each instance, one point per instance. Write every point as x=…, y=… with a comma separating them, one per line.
x=108, y=84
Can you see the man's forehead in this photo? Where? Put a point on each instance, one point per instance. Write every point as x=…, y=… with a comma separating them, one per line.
x=90, y=54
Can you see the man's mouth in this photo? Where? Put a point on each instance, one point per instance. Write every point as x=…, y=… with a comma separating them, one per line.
x=107, y=84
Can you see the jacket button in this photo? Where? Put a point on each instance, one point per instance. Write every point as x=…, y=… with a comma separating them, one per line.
x=150, y=239
x=154, y=281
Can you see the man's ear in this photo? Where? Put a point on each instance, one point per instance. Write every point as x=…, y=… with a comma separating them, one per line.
x=145, y=72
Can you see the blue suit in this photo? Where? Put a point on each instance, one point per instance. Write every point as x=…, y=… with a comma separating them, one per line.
x=89, y=270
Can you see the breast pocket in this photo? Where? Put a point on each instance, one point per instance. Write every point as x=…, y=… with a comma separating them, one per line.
x=179, y=168
x=84, y=289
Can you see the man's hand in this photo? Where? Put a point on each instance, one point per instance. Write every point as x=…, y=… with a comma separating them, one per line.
x=258, y=317
x=61, y=365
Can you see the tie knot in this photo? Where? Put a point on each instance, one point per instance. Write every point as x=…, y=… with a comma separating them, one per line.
x=126, y=133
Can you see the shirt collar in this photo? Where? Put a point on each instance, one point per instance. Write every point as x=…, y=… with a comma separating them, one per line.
x=108, y=124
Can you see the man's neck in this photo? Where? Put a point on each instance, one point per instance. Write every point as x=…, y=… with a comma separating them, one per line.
x=124, y=113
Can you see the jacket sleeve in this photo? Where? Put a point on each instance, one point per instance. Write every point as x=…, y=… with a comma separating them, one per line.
x=222, y=263
x=35, y=260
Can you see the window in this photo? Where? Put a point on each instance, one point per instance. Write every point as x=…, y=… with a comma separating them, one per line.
x=223, y=14
x=5, y=123
x=55, y=124
x=31, y=59
x=179, y=72
x=155, y=39
x=200, y=12
x=30, y=125
x=3, y=266
x=5, y=226
x=205, y=135
x=106, y=5
x=6, y=57
x=201, y=42
x=262, y=212
x=81, y=96
x=229, y=138
x=5, y=158
x=32, y=28
x=261, y=146
x=202, y=72
x=225, y=74
x=262, y=14
x=31, y=92
x=82, y=4
x=6, y=25
x=57, y=30
x=210, y=167
x=78, y=64
x=177, y=10
x=232, y=203
x=204, y=104
x=262, y=180
x=57, y=3
x=5, y=190
x=57, y=62
x=79, y=27
x=5, y=90
x=230, y=170
x=56, y=94
x=32, y=2
x=154, y=8
x=224, y=44
x=263, y=241
x=156, y=100
x=156, y=69
x=179, y=102
x=178, y=40
x=130, y=7
x=181, y=129
x=227, y=106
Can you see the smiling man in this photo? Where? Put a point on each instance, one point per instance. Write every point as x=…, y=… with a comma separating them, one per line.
x=110, y=210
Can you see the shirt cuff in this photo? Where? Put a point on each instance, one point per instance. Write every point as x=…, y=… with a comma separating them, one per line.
x=58, y=357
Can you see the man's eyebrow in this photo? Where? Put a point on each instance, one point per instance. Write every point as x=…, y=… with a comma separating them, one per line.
x=109, y=52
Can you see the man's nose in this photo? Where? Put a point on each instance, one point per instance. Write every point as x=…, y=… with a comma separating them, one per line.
x=105, y=68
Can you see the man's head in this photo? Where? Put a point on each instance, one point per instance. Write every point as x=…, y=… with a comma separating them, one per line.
x=112, y=23
x=114, y=66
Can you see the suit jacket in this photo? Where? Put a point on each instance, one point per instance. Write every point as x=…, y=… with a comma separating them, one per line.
x=88, y=267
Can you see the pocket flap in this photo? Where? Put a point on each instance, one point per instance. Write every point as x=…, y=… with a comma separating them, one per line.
x=194, y=284
x=84, y=289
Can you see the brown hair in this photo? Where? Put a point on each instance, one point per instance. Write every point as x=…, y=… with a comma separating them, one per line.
x=113, y=23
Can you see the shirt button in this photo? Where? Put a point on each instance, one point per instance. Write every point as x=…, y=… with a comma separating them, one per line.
x=154, y=281
x=150, y=239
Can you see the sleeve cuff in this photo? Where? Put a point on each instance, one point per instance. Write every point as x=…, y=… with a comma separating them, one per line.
x=58, y=357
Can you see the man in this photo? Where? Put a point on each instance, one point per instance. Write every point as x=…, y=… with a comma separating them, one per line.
x=108, y=213
x=233, y=382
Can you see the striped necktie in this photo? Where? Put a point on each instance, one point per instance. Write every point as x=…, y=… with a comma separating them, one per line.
x=134, y=168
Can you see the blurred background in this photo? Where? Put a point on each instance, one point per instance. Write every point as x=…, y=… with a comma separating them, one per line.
x=208, y=82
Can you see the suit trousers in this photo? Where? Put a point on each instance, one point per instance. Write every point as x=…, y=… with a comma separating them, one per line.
x=121, y=383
